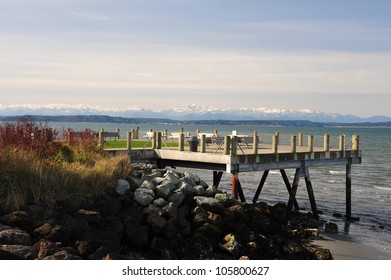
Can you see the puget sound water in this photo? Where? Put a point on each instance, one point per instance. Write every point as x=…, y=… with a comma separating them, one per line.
x=371, y=180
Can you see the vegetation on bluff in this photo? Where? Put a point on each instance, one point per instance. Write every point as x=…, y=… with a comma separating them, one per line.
x=38, y=168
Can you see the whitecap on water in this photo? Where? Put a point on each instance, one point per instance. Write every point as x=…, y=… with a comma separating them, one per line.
x=334, y=172
x=382, y=188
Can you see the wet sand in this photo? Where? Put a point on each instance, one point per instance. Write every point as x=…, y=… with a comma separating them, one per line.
x=344, y=248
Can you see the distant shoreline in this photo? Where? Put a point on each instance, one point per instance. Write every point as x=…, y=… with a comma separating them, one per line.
x=273, y=123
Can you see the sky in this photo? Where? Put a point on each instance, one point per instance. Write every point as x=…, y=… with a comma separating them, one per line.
x=332, y=56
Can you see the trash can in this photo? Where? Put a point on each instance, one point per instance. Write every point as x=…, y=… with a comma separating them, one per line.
x=193, y=141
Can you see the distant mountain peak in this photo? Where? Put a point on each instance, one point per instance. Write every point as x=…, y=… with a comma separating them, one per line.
x=185, y=112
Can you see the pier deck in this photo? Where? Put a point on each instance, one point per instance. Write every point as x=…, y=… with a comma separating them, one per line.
x=233, y=157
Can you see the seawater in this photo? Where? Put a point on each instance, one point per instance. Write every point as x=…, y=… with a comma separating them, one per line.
x=371, y=180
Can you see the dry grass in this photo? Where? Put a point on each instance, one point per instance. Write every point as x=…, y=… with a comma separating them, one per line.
x=26, y=179
x=50, y=173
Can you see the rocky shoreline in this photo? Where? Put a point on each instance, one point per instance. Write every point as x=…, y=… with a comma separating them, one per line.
x=159, y=214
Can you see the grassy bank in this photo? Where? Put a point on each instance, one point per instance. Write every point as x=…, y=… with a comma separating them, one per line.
x=44, y=171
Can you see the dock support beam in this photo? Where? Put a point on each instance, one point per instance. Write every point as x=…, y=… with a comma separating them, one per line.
x=260, y=187
x=217, y=178
x=348, y=191
x=288, y=187
x=237, y=190
x=311, y=194
x=303, y=171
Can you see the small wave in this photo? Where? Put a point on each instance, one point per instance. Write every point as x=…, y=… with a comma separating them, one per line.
x=336, y=172
x=382, y=188
x=274, y=172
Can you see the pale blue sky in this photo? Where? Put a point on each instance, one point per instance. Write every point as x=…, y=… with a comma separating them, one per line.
x=333, y=56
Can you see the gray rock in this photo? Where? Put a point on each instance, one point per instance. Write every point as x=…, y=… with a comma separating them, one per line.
x=170, y=229
x=187, y=188
x=122, y=187
x=164, y=190
x=155, y=174
x=160, y=202
x=331, y=228
x=135, y=233
x=90, y=216
x=144, y=196
x=190, y=179
x=170, y=211
x=158, y=180
x=210, y=204
x=199, y=190
x=152, y=209
x=156, y=222
x=211, y=191
x=20, y=251
x=222, y=197
x=135, y=183
x=205, y=185
x=148, y=185
x=177, y=197
x=62, y=255
x=15, y=236
x=159, y=244
x=172, y=178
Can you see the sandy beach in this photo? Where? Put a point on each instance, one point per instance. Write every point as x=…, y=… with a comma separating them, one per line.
x=343, y=247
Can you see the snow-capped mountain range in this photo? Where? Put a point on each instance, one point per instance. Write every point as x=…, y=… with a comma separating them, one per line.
x=186, y=112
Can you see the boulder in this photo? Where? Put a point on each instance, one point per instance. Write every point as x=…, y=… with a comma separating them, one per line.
x=135, y=233
x=331, y=227
x=14, y=236
x=93, y=218
x=170, y=211
x=170, y=177
x=160, y=202
x=199, y=190
x=157, y=223
x=177, y=197
x=122, y=187
x=17, y=219
x=159, y=244
x=164, y=190
x=17, y=252
x=211, y=191
x=148, y=185
x=144, y=196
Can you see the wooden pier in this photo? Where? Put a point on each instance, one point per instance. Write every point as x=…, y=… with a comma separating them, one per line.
x=235, y=154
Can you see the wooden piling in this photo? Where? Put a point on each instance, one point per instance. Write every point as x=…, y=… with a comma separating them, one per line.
x=203, y=143
x=129, y=140
x=255, y=143
x=227, y=145
x=355, y=142
x=237, y=190
x=310, y=143
x=234, y=145
x=300, y=139
x=326, y=143
x=293, y=144
x=158, y=140
x=154, y=138
x=101, y=138
x=118, y=134
x=198, y=131
x=277, y=137
x=165, y=132
x=181, y=144
x=342, y=142
x=275, y=144
x=215, y=132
